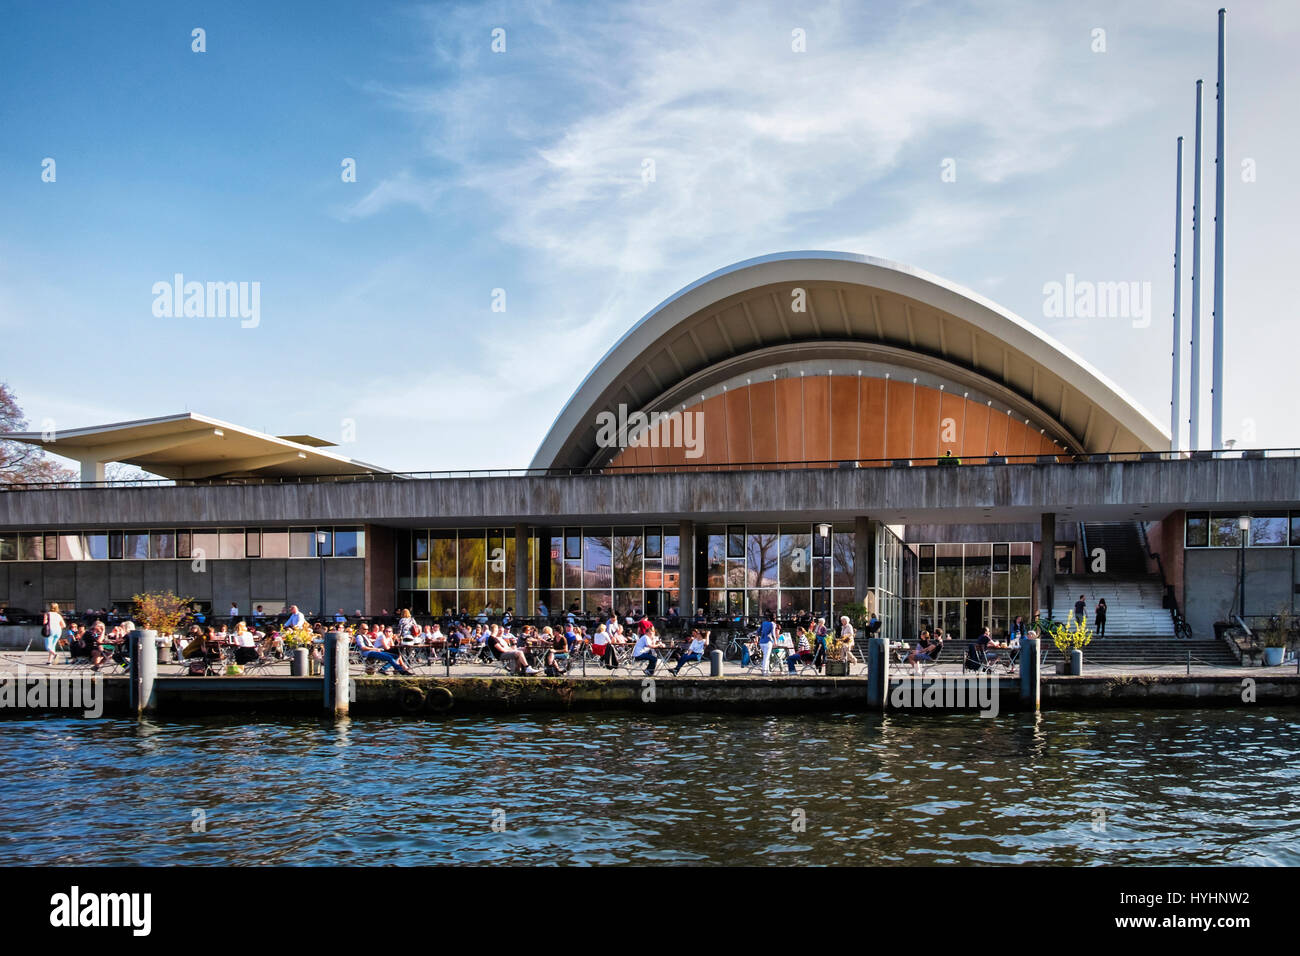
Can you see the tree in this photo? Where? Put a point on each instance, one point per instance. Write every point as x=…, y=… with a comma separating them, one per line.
x=20, y=462
x=161, y=611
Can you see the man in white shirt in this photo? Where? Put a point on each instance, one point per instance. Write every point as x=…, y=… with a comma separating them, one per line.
x=644, y=650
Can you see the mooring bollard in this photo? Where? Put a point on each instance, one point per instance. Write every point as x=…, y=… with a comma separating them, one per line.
x=1030, y=666
x=877, y=672
x=144, y=669
x=336, y=673
x=1076, y=663
x=298, y=666
x=715, y=663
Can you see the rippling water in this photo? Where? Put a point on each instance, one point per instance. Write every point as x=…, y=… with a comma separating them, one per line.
x=1204, y=787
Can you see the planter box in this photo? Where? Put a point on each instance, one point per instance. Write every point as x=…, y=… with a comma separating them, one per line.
x=837, y=668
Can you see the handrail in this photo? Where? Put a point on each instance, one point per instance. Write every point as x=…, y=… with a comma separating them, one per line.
x=993, y=461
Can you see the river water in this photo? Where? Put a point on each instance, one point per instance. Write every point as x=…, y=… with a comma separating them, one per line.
x=1203, y=787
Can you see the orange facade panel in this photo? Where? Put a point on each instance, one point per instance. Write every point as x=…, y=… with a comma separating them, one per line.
x=871, y=420
x=844, y=417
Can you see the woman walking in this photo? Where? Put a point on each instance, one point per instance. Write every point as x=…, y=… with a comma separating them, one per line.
x=1099, y=619
x=52, y=629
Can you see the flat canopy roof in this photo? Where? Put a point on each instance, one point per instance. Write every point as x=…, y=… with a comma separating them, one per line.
x=193, y=447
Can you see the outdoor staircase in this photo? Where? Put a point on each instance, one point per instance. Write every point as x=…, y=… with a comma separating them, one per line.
x=1134, y=603
x=1131, y=652
x=1125, y=554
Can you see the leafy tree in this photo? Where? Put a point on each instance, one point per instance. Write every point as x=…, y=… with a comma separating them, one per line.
x=161, y=611
x=20, y=462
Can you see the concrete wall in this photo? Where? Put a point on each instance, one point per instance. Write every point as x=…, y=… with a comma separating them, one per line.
x=85, y=584
x=1211, y=579
x=966, y=494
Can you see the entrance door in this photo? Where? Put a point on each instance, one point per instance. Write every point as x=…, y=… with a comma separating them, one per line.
x=977, y=617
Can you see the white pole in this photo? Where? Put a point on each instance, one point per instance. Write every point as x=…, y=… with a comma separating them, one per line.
x=1194, y=423
x=1177, y=379
x=1216, y=384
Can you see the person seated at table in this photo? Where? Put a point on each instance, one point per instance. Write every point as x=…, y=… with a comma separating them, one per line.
x=501, y=647
x=925, y=650
x=557, y=654
x=602, y=648
x=379, y=654
x=245, y=644
x=803, y=650
x=978, y=651
x=693, y=651
x=644, y=650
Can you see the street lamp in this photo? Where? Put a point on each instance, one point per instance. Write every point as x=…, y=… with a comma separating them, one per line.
x=824, y=531
x=1243, y=526
x=320, y=557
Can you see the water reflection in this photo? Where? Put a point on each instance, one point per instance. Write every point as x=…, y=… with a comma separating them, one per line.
x=1213, y=787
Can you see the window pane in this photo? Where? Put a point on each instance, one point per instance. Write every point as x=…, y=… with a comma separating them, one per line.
x=31, y=547
x=1198, y=529
x=1022, y=572
x=205, y=545
x=948, y=578
x=442, y=562
x=796, y=559
x=157, y=544
x=764, y=547
x=978, y=561
x=96, y=545
x=572, y=544
x=114, y=544
x=717, y=561
x=302, y=543
x=1295, y=529
x=927, y=558
x=419, y=546
x=596, y=564
x=230, y=544
x=843, y=555
x=275, y=544
x=1268, y=531
x=735, y=541
x=654, y=543
x=253, y=544
x=51, y=547
x=496, y=560
x=471, y=568
x=1224, y=532
x=1001, y=556
x=72, y=547
x=8, y=547
x=421, y=569
x=735, y=572
x=183, y=542
x=627, y=560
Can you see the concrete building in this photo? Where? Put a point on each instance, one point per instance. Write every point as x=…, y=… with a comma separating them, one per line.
x=792, y=433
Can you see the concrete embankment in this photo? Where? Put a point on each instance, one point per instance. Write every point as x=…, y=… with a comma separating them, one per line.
x=436, y=696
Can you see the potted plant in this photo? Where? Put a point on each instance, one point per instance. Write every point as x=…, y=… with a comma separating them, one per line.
x=1070, y=638
x=1274, y=638
x=837, y=664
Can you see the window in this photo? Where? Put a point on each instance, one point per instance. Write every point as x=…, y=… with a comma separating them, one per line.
x=735, y=541
x=573, y=544
x=230, y=544
x=349, y=543
x=115, y=544
x=31, y=547
x=135, y=547
x=184, y=542
x=51, y=547
x=927, y=558
x=205, y=545
x=1295, y=529
x=1198, y=529
x=1001, y=556
x=302, y=543
x=1268, y=531
x=275, y=544
x=8, y=547
x=1224, y=532
x=253, y=544
x=653, y=543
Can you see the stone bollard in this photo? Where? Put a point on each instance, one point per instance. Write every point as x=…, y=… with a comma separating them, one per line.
x=298, y=666
x=877, y=673
x=1030, y=667
x=164, y=652
x=1076, y=663
x=336, y=673
x=715, y=663
x=144, y=669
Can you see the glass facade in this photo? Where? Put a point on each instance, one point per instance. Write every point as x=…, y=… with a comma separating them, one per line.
x=744, y=571
x=211, y=544
x=966, y=587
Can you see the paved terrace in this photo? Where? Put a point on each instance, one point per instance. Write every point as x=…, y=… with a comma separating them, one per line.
x=1092, y=491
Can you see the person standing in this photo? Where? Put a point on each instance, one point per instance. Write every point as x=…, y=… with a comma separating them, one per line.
x=819, y=640
x=767, y=635
x=52, y=629
x=1081, y=609
x=1099, y=617
x=234, y=613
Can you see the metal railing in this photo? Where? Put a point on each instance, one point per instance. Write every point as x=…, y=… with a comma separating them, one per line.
x=606, y=471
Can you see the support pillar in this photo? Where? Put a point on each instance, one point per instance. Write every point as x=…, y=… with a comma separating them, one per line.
x=144, y=670
x=1030, y=667
x=1047, y=565
x=336, y=673
x=686, y=569
x=521, y=572
x=877, y=673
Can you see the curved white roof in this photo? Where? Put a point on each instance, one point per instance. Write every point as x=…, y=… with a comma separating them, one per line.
x=743, y=316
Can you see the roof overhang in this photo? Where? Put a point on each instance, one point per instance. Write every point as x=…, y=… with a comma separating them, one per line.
x=191, y=447
x=745, y=310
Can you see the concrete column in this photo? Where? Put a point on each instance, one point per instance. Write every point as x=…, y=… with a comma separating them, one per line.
x=298, y=666
x=861, y=557
x=144, y=669
x=1029, y=672
x=336, y=673
x=877, y=673
x=521, y=572
x=92, y=470
x=686, y=569
x=1047, y=564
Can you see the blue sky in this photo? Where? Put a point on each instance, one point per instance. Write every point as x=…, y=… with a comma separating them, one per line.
x=522, y=171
